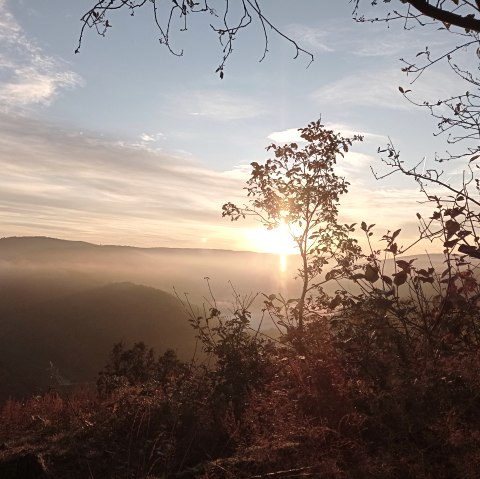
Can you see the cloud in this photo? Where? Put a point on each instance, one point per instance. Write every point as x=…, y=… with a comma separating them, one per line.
x=83, y=186
x=146, y=138
x=337, y=36
x=379, y=87
x=382, y=47
x=293, y=134
x=379, y=43
x=309, y=37
x=286, y=136
x=28, y=75
x=220, y=106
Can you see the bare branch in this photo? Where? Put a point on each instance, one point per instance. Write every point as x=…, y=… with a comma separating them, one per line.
x=98, y=18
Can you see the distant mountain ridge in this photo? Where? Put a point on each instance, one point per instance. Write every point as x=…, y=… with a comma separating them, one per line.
x=44, y=243
x=163, y=268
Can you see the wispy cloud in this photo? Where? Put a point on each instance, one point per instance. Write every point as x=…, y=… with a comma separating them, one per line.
x=293, y=134
x=149, y=138
x=83, y=186
x=220, y=106
x=315, y=39
x=379, y=87
x=27, y=75
x=286, y=136
x=347, y=38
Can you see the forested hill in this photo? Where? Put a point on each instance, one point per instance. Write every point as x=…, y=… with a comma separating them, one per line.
x=76, y=332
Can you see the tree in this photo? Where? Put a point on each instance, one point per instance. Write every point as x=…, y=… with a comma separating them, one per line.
x=299, y=188
x=459, y=114
x=176, y=17
x=460, y=13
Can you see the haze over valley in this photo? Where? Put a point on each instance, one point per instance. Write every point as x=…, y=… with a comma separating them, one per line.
x=68, y=302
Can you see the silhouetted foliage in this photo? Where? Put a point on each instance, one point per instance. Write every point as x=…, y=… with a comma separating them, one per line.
x=138, y=366
x=240, y=356
x=457, y=115
x=299, y=188
x=460, y=13
x=228, y=22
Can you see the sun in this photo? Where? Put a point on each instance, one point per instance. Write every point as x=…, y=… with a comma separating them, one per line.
x=276, y=241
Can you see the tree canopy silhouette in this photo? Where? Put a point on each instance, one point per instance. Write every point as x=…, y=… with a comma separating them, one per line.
x=298, y=187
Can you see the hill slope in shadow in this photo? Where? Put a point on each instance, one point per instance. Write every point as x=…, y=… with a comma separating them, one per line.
x=76, y=333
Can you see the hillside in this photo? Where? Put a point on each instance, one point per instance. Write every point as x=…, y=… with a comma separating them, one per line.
x=67, y=302
x=76, y=332
x=162, y=268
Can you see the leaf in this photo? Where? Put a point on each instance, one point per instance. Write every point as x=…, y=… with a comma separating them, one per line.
x=387, y=280
x=332, y=274
x=363, y=226
x=395, y=234
x=400, y=278
x=425, y=280
x=371, y=273
x=358, y=276
x=401, y=89
x=403, y=264
x=272, y=297
x=445, y=272
x=393, y=248
x=473, y=158
x=335, y=302
x=423, y=272
x=451, y=243
x=451, y=226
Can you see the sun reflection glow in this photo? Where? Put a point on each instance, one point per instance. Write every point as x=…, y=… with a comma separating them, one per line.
x=276, y=241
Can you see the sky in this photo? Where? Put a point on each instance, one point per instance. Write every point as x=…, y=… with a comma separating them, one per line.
x=125, y=143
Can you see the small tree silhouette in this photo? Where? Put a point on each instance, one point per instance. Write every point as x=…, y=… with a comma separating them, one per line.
x=299, y=188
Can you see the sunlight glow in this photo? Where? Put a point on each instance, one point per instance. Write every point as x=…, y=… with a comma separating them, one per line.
x=276, y=241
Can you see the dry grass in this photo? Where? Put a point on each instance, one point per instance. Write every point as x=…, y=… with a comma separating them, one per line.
x=48, y=413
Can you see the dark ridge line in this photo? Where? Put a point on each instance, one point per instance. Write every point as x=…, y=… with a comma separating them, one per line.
x=140, y=248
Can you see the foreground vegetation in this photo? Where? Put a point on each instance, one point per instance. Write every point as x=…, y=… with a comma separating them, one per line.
x=368, y=406
x=378, y=380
